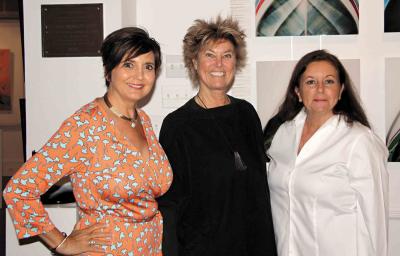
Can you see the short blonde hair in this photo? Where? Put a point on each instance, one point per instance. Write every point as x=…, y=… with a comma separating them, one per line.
x=202, y=32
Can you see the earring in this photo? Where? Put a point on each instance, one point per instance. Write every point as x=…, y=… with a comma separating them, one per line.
x=194, y=64
x=300, y=100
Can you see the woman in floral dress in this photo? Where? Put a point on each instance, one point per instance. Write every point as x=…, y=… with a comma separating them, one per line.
x=111, y=154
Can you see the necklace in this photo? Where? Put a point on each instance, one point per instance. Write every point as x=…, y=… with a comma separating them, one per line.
x=117, y=113
x=227, y=101
x=240, y=165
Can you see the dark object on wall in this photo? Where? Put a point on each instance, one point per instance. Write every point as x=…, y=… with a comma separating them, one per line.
x=22, y=114
x=59, y=193
x=72, y=30
x=9, y=9
x=392, y=16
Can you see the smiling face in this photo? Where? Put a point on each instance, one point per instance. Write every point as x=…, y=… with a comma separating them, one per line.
x=131, y=80
x=319, y=89
x=215, y=65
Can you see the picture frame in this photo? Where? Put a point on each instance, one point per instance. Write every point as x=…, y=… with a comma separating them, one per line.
x=5, y=81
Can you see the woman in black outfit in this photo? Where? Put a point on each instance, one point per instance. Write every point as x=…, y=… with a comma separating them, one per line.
x=218, y=203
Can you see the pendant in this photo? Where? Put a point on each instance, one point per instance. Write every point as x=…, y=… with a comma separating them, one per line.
x=239, y=164
x=133, y=125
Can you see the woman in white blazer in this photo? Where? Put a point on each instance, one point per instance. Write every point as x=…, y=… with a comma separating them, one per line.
x=327, y=171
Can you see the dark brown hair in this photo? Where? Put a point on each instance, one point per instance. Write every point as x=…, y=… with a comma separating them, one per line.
x=348, y=106
x=130, y=42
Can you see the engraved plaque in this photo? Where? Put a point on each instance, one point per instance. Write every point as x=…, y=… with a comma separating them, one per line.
x=72, y=30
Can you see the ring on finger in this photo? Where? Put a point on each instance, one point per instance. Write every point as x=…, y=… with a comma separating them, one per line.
x=92, y=242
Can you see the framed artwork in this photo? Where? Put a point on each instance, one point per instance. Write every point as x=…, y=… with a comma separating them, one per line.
x=392, y=93
x=392, y=15
x=306, y=17
x=5, y=80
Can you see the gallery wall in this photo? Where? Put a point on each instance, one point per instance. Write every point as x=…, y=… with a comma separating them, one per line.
x=56, y=87
x=81, y=77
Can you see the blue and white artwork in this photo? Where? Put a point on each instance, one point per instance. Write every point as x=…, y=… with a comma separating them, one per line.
x=306, y=17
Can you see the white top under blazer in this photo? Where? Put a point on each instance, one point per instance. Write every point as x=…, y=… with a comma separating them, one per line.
x=331, y=199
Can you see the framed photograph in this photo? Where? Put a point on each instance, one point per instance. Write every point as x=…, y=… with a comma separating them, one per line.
x=392, y=107
x=392, y=17
x=5, y=80
x=306, y=18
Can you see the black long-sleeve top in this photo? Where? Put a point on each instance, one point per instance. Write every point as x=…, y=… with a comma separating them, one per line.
x=212, y=208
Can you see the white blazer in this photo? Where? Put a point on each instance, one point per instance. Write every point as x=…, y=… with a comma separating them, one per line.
x=331, y=199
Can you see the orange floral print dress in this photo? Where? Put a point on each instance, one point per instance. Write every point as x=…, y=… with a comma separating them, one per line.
x=112, y=182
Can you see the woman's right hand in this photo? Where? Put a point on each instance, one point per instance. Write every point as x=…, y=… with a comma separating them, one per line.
x=90, y=239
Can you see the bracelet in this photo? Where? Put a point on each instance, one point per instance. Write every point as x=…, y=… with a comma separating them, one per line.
x=54, y=250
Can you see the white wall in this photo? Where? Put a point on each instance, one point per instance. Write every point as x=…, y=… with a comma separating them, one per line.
x=57, y=87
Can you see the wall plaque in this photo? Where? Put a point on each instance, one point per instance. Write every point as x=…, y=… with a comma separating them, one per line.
x=72, y=30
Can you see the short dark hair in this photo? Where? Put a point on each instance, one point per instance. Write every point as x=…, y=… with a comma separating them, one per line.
x=203, y=32
x=130, y=42
x=348, y=106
